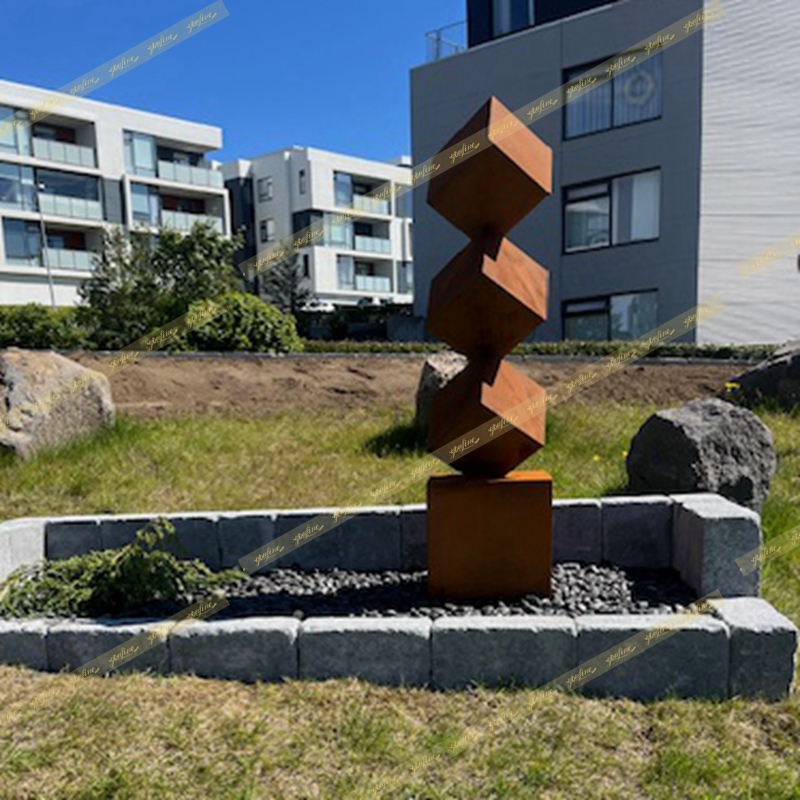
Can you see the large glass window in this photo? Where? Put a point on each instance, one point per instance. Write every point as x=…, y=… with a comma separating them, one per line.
x=67, y=184
x=346, y=272
x=302, y=183
x=14, y=139
x=512, y=15
x=616, y=317
x=23, y=242
x=145, y=204
x=140, y=154
x=343, y=188
x=632, y=96
x=405, y=277
x=264, y=187
x=404, y=204
x=617, y=211
x=17, y=187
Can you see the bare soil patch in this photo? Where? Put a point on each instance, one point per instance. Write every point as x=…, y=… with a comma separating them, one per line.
x=177, y=386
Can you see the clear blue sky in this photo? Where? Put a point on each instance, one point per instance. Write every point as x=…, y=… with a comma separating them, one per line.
x=272, y=74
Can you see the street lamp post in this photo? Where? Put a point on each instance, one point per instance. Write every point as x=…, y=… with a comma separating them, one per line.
x=41, y=187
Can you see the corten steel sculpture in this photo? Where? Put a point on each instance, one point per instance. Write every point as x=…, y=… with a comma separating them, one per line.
x=489, y=531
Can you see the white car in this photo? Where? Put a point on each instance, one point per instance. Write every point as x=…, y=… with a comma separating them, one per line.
x=318, y=305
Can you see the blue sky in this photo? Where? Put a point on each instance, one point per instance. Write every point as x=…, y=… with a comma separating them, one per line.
x=272, y=74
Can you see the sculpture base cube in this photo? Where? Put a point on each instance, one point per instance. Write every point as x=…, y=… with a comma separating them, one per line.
x=489, y=538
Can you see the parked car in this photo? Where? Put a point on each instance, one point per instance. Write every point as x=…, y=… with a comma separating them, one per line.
x=315, y=304
x=368, y=302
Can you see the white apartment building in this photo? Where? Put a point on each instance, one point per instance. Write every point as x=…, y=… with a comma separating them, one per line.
x=88, y=166
x=278, y=194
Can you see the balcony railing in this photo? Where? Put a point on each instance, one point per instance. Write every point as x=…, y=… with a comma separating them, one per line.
x=183, y=173
x=68, y=259
x=373, y=244
x=373, y=283
x=440, y=46
x=64, y=152
x=370, y=205
x=70, y=206
x=182, y=221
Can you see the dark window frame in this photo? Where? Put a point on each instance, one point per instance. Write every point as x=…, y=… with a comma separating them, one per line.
x=606, y=299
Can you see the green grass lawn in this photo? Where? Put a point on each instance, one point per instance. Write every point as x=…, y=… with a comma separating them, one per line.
x=145, y=736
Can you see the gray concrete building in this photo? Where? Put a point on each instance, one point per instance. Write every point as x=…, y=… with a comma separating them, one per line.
x=664, y=178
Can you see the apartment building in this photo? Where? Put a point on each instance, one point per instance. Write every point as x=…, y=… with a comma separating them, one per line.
x=278, y=194
x=665, y=177
x=93, y=164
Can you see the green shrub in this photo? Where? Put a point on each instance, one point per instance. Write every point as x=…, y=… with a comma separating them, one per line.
x=109, y=581
x=249, y=325
x=38, y=327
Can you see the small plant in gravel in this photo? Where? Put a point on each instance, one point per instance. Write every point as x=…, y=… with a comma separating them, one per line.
x=109, y=581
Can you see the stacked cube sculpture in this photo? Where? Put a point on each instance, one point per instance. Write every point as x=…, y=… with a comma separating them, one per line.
x=489, y=531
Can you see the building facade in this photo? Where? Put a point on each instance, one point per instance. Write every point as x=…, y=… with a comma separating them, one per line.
x=92, y=165
x=280, y=193
x=664, y=178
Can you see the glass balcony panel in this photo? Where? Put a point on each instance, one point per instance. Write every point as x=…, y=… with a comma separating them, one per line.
x=373, y=244
x=183, y=173
x=70, y=206
x=373, y=283
x=63, y=152
x=370, y=205
x=182, y=221
x=68, y=259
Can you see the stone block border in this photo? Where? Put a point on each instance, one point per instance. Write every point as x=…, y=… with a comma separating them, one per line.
x=749, y=649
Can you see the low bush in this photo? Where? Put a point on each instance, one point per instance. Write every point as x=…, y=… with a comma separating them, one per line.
x=109, y=581
x=38, y=327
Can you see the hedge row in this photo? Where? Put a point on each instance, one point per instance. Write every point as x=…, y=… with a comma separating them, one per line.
x=744, y=352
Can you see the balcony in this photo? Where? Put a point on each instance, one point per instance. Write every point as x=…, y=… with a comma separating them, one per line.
x=183, y=173
x=373, y=244
x=68, y=259
x=64, y=152
x=370, y=205
x=373, y=283
x=181, y=221
x=441, y=46
x=70, y=206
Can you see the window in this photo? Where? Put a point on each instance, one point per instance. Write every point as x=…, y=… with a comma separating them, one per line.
x=17, y=187
x=346, y=272
x=405, y=277
x=14, y=139
x=343, y=188
x=140, y=154
x=618, y=317
x=66, y=184
x=512, y=15
x=264, y=186
x=404, y=204
x=306, y=267
x=301, y=176
x=617, y=211
x=632, y=96
x=267, y=230
x=145, y=204
x=54, y=133
x=23, y=242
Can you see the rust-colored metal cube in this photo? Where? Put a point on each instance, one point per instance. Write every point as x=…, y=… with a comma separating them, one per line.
x=489, y=538
x=478, y=394
x=500, y=182
x=488, y=298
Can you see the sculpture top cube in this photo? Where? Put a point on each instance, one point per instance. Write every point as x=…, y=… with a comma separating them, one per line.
x=496, y=184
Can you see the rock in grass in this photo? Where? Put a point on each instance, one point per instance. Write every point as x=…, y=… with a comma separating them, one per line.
x=47, y=400
x=777, y=378
x=704, y=446
x=437, y=372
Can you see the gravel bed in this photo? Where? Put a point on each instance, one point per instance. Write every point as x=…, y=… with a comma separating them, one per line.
x=577, y=589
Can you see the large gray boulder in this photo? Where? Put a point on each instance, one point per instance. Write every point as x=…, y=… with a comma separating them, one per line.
x=47, y=400
x=437, y=372
x=704, y=446
x=776, y=378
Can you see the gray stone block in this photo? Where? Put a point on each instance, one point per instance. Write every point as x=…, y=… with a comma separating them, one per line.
x=763, y=648
x=390, y=651
x=577, y=531
x=694, y=662
x=709, y=534
x=319, y=553
x=24, y=642
x=370, y=540
x=637, y=531
x=256, y=648
x=531, y=650
x=240, y=534
x=66, y=537
x=21, y=542
x=73, y=644
x=196, y=535
x=413, y=537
